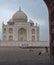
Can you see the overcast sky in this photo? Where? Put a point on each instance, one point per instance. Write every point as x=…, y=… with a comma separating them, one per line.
x=35, y=10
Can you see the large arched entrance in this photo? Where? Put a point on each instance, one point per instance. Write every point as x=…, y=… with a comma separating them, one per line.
x=50, y=5
x=22, y=36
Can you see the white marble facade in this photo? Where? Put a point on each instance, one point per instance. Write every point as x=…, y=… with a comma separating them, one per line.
x=20, y=32
x=18, y=28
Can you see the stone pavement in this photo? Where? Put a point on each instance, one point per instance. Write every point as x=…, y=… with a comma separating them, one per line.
x=18, y=56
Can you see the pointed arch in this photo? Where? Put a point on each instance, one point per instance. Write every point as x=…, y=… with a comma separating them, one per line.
x=22, y=35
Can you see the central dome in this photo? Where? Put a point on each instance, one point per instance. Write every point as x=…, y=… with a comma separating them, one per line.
x=19, y=15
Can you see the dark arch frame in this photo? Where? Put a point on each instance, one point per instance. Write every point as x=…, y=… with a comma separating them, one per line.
x=50, y=6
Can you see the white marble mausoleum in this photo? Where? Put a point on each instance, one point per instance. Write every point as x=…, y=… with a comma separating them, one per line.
x=19, y=31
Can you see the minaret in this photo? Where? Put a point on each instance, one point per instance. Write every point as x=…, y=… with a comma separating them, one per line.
x=2, y=23
x=50, y=5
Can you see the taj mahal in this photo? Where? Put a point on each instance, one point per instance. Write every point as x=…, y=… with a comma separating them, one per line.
x=20, y=32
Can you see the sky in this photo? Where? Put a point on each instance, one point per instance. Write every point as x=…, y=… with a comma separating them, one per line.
x=34, y=9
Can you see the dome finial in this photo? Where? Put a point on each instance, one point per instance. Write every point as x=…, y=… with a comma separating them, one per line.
x=19, y=8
